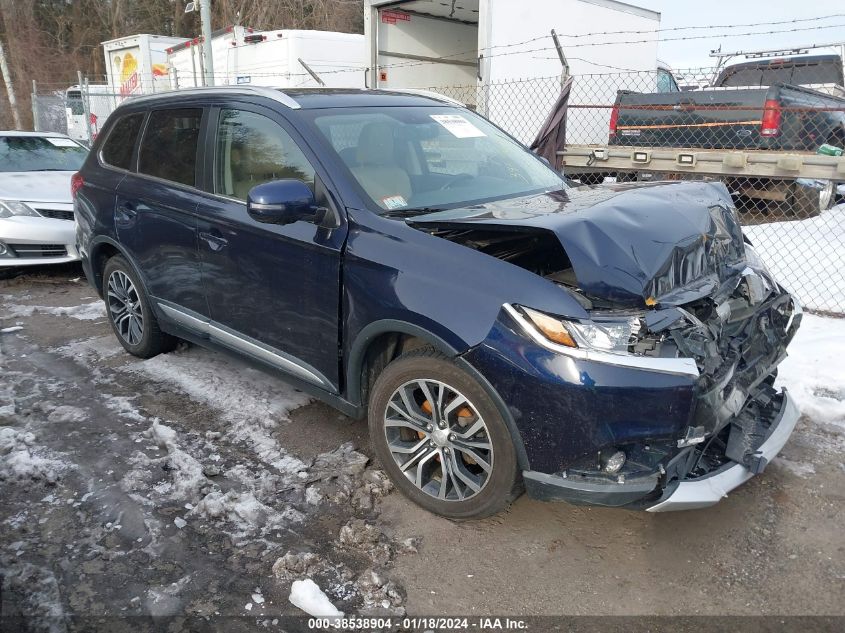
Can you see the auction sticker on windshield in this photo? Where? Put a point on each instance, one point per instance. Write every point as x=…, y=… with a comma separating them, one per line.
x=62, y=142
x=457, y=125
x=394, y=202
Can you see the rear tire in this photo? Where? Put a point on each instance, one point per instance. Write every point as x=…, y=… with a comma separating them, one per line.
x=129, y=312
x=462, y=430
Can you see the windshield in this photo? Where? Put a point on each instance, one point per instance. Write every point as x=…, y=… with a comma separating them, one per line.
x=40, y=153
x=422, y=158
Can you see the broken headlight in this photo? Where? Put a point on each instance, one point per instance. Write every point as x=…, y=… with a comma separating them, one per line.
x=606, y=332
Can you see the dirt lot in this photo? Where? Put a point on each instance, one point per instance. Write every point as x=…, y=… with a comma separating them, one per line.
x=176, y=486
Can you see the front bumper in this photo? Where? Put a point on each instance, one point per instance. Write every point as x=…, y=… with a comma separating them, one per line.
x=34, y=241
x=708, y=490
x=686, y=494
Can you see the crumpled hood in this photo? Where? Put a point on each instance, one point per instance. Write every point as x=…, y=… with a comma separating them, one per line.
x=36, y=186
x=629, y=244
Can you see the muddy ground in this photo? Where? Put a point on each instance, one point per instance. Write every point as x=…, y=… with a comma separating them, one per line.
x=178, y=485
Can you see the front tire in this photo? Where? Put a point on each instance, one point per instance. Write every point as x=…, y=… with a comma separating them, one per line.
x=440, y=437
x=129, y=312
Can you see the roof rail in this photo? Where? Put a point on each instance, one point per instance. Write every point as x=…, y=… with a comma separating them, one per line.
x=261, y=91
x=428, y=93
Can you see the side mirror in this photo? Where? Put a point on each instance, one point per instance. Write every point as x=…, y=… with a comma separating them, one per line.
x=282, y=202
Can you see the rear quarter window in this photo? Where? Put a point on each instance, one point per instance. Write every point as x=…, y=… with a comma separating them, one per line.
x=117, y=150
x=169, y=146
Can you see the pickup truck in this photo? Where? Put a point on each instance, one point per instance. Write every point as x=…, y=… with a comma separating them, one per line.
x=790, y=104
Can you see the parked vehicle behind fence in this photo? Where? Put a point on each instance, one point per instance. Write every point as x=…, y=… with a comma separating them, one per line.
x=401, y=257
x=36, y=209
x=793, y=104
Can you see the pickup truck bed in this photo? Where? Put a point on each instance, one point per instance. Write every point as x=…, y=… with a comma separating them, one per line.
x=775, y=118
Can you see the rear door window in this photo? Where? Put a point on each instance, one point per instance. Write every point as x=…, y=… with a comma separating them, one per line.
x=117, y=150
x=169, y=147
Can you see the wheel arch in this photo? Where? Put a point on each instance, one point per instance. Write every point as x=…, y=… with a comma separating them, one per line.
x=382, y=341
x=376, y=345
x=101, y=251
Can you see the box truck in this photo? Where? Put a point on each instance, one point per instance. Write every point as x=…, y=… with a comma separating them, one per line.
x=468, y=49
x=96, y=101
x=137, y=64
x=284, y=58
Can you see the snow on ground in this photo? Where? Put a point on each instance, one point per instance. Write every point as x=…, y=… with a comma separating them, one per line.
x=252, y=402
x=814, y=371
x=22, y=459
x=306, y=595
x=806, y=256
x=84, y=312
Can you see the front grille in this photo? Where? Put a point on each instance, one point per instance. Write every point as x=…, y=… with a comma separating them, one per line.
x=39, y=250
x=56, y=214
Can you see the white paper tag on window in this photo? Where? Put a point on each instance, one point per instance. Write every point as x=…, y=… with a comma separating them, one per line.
x=61, y=142
x=457, y=125
x=394, y=202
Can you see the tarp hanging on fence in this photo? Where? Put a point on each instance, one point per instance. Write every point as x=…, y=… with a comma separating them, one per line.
x=552, y=135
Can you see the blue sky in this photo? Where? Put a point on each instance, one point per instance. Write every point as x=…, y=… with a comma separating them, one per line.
x=680, y=54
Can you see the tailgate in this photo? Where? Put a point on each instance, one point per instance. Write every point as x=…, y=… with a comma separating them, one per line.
x=710, y=119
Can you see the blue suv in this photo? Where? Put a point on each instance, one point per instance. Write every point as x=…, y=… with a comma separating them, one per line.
x=398, y=256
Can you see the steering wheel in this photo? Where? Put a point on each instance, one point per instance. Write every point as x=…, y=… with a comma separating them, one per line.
x=456, y=179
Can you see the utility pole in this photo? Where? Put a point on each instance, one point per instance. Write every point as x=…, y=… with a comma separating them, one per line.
x=10, y=89
x=205, y=23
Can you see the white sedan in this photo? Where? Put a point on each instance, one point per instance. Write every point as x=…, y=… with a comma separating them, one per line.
x=36, y=208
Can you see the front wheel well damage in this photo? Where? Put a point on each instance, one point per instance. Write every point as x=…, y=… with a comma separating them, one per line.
x=385, y=348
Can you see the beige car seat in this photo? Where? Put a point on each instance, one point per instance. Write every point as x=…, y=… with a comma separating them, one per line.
x=376, y=167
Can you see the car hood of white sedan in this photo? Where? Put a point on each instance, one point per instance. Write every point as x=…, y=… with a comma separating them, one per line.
x=36, y=186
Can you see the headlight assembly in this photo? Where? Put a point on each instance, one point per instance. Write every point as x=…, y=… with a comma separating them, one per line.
x=9, y=208
x=604, y=332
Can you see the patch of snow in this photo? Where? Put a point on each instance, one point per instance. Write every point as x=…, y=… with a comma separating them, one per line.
x=252, y=402
x=122, y=405
x=814, y=372
x=245, y=512
x=179, y=522
x=801, y=469
x=42, y=599
x=186, y=471
x=84, y=312
x=806, y=256
x=99, y=347
x=306, y=595
x=21, y=459
x=9, y=330
x=67, y=413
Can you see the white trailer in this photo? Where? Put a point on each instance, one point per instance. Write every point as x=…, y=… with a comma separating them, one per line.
x=283, y=58
x=477, y=44
x=137, y=64
x=94, y=100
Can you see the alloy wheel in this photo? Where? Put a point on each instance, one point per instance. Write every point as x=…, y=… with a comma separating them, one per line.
x=125, y=307
x=438, y=439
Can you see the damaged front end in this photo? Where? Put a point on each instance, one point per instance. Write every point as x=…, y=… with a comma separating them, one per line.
x=664, y=397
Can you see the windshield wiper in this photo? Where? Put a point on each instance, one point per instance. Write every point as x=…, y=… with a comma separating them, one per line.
x=409, y=213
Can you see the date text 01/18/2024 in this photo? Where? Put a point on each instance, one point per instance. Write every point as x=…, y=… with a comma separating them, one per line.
x=418, y=623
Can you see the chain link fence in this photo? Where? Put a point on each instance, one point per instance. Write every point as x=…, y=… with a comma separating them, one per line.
x=758, y=131
x=772, y=142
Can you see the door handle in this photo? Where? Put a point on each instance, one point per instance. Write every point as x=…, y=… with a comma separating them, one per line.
x=215, y=242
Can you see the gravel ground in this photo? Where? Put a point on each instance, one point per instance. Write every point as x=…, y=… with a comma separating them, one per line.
x=192, y=485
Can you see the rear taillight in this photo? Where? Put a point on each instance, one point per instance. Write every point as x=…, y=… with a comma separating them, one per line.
x=614, y=118
x=76, y=183
x=770, y=125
